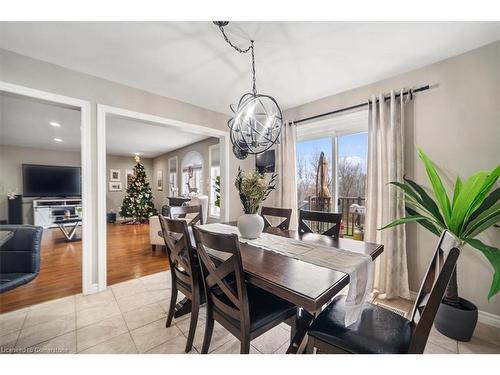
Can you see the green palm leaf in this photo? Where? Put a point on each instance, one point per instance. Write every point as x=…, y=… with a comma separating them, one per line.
x=428, y=202
x=493, y=255
x=465, y=200
x=427, y=224
x=487, y=203
x=483, y=221
x=456, y=192
x=437, y=186
x=404, y=220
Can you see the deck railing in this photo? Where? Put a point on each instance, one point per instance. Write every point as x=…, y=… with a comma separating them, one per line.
x=349, y=220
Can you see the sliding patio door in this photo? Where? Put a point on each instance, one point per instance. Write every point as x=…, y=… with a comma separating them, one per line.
x=344, y=142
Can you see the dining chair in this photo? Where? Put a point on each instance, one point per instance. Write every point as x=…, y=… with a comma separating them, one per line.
x=285, y=213
x=245, y=310
x=379, y=330
x=320, y=217
x=191, y=214
x=184, y=269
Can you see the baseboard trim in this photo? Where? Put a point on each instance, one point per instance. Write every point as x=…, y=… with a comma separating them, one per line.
x=413, y=295
x=489, y=318
x=93, y=288
x=483, y=316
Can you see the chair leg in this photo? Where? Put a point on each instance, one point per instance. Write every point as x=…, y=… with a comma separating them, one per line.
x=245, y=345
x=171, y=310
x=310, y=346
x=209, y=328
x=195, y=308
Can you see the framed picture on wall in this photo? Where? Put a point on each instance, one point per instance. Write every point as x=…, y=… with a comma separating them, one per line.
x=159, y=180
x=114, y=175
x=129, y=176
x=115, y=186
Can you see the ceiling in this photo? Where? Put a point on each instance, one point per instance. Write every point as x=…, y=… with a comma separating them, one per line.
x=297, y=62
x=25, y=122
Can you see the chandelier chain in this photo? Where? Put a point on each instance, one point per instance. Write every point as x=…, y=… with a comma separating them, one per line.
x=251, y=49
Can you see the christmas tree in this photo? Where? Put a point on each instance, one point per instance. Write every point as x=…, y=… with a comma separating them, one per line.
x=138, y=203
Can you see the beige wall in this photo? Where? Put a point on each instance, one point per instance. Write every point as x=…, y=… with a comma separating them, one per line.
x=12, y=158
x=161, y=163
x=457, y=123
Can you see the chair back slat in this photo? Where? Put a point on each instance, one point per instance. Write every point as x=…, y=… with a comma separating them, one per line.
x=320, y=217
x=224, y=282
x=285, y=213
x=432, y=290
x=181, y=258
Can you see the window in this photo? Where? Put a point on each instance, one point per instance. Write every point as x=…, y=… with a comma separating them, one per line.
x=214, y=199
x=344, y=142
x=308, y=153
x=192, y=173
x=351, y=166
x=192, y=177
x=172, y=176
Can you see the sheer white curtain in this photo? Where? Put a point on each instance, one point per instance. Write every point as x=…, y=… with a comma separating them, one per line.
x=383, y=203
x=286, y=196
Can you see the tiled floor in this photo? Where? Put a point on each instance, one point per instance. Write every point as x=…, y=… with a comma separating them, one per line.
x=130, y=318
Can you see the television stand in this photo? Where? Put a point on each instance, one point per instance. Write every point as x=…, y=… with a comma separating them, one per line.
x=47, y=211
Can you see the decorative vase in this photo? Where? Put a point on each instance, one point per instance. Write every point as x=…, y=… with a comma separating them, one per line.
x=250, y=225
x=456, y=322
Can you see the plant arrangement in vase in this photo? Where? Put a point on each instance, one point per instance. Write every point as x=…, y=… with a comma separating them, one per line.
x=472, y=209
x=253, y=188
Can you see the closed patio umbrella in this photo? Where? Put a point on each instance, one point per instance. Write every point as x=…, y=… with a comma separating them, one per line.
x=323, y=195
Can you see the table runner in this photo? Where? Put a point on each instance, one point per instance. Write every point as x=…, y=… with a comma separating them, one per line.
x=358, y=266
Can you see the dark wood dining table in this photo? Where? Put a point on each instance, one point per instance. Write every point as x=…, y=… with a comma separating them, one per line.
x=306, y=285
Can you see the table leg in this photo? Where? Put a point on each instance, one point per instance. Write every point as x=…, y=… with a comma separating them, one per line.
x=70, y=236
x=299, y=340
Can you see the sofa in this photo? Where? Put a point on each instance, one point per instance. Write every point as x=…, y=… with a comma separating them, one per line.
x=20, y=256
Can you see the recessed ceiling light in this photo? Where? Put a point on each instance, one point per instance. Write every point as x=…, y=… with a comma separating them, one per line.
x=58, y=139
x=55, y=124
x=136, y=153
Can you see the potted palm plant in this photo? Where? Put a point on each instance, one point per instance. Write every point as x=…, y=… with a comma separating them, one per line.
x=472, y=209
x=253, y=188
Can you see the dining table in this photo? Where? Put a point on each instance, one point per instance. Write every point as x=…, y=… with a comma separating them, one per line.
x=306, y=285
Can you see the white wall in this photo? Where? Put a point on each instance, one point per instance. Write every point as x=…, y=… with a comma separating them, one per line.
x=457, y=123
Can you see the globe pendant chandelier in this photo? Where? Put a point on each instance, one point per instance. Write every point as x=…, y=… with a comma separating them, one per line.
x=257, y=119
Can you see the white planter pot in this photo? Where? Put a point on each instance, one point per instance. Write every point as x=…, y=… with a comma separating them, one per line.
x=250, y=225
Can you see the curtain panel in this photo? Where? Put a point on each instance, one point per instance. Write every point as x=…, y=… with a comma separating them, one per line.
x=286, y=196
x=384, y=202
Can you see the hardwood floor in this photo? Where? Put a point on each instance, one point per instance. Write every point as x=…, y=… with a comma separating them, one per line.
x=129, y=257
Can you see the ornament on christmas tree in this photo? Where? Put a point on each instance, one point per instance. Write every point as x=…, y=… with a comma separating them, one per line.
x=138, y=204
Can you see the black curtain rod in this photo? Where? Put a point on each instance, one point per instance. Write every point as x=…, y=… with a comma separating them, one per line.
x=361, y=105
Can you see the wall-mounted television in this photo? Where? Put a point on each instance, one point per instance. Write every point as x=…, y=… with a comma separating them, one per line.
x=51, y=181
